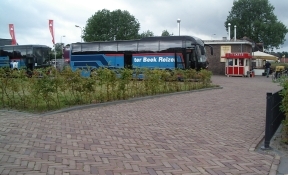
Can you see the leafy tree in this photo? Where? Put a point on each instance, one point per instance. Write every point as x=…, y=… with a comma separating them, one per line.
x=58, y=47
x=147, y=33
x=255, y=19
x=105, y=25
x=166, y=33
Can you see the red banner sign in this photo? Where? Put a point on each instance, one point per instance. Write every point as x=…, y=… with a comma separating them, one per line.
x=12, y=33
x=238, y=55
x=51, y=28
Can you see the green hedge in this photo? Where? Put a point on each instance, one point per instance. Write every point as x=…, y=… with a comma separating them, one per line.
x=284, y=108
x=45, y=92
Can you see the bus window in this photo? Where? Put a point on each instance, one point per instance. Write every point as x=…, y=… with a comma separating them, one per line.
x=29, y=52
x=203, y=50
x=20, y=52
x=148, y=46
x=90, y=47
x=41, y=55
x=165, y=45
x=76, y=47
x=46, y=58
x=1, y=52
x=8, y=51
x=127, y=46
x=107, y=46
x=38, y=55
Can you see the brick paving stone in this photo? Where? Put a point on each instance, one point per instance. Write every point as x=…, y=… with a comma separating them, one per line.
x=205, y=132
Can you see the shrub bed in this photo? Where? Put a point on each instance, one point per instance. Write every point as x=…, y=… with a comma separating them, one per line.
x=56, y=90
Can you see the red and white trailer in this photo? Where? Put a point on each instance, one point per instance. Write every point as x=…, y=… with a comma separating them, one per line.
x=238, y=64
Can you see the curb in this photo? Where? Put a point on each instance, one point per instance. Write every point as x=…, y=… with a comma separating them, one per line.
x=257, y=142
x=278, y=166
x=27, y=114
x=276, y=161
x=275, y=165
x=81, y=107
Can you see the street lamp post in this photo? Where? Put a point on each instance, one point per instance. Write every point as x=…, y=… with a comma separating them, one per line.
x=81, y=31
x=178, y=21
x=229, y=31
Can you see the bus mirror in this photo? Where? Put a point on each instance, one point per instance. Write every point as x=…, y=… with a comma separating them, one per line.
x=202, y=50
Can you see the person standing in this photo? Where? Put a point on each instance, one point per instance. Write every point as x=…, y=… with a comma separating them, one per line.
x=267, y=67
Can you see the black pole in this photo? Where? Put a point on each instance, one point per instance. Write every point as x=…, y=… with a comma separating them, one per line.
x=269, y=99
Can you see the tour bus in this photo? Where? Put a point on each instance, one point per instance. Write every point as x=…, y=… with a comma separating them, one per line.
x=25, y=56
x=169, y=52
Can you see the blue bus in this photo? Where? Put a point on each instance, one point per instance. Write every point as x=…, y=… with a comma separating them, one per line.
x=170, y=52
x=29, y=57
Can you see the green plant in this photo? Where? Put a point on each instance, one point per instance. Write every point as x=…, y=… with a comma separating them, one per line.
x=284, y=108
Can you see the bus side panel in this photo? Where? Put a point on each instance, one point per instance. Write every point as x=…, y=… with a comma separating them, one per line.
x=96, y=61
x=116, y=60
x=4, y=61
x=157, y=60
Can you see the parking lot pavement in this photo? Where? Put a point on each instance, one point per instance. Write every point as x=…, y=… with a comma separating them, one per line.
x=205, y=132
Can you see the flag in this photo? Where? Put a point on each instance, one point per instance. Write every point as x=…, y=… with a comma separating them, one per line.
x=12, y=33
x=51, y=26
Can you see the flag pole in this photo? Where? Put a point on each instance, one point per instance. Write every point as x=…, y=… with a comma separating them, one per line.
x=55, y=54
x=51, y=28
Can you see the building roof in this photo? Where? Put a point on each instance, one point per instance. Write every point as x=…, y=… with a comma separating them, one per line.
x=4, y=42
x=223, y=42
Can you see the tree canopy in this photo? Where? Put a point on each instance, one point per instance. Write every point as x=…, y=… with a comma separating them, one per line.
x=147, y=33
x=166, y=33
x=107, y=25
x=59, y=51
x=255, y=19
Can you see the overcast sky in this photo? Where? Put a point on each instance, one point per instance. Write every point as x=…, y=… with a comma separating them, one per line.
x=202, y=18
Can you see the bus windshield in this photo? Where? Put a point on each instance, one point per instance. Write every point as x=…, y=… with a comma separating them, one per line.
x=42, y=55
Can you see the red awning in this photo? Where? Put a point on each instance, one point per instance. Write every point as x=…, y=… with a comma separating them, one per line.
x=236, y=55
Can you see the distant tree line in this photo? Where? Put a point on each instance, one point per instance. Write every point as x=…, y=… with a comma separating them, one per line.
x=106, y=25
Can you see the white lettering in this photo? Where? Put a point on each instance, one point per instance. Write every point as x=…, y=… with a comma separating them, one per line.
x=237, y=54
x=166, y=59
x=145, y=59
x=137, y=59
x=154, y=59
